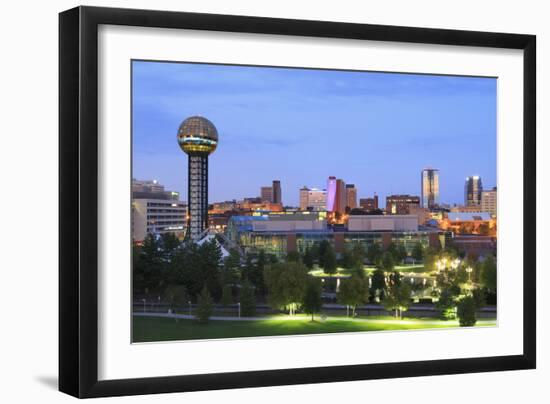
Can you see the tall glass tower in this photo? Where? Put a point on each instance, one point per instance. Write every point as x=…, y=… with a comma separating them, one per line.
x=429, y=188
x=472, y=191
x=197, y=137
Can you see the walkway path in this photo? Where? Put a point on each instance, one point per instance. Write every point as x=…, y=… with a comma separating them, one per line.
x=295, y=318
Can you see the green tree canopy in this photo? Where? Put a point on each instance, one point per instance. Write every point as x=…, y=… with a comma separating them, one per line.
x=488, y=276
x=308, y=258
x=322, y=247
x=227, y=295
x=293, y=256
x=387, y=263
x=378, y=282
x=176, y=296
x=353, y=291
x=312, y=301
x=418, y=251
x=398, y=298
x=205, y=306
x=466, y=312
x=286, y=283
x=232, y=267
x=374, y=253
x=329, y=261
x=247, y=300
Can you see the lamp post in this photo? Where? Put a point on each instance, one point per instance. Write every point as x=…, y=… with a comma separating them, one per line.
x=469, y=270
x=239, y=306
x=189, y=302
x=455, y=263
x=144, y=308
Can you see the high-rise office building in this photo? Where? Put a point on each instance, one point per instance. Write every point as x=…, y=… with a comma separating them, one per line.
x=151, y=189
x=429, y=188
x=266, y=194
x=155, y=210
x=369, y=204
x=351, y=196
x=198, y=138
x=313, y=199
x=472, y=191
x=401, y=204
x=336, y=195
x=304, y=197
x=489, y=201
x=277, y=196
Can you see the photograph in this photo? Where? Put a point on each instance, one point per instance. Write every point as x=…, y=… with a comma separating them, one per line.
x=272, y=201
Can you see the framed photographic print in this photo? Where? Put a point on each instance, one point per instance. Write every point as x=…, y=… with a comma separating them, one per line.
x=251, y=201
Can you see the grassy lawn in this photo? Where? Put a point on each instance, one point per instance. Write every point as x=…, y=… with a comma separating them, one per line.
x=167, y=329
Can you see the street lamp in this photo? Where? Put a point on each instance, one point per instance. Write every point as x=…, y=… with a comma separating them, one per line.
x=469, y=270
x=439, y=265
x=189, y=302
x=144, y=309
x=455, y=263
x=239, y=306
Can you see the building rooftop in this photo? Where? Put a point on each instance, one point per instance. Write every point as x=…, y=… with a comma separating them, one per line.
x=468, y=216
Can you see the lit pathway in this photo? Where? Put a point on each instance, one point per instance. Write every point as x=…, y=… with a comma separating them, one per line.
x=295, y=318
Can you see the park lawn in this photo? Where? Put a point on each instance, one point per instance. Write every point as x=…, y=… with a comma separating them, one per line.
x=147, y=329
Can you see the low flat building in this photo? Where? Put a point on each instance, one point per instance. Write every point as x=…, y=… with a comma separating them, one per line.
x=475, y=245
x=281, y=234
x=383, y=223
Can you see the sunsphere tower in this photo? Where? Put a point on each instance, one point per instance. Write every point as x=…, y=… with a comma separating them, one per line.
x=197, y=137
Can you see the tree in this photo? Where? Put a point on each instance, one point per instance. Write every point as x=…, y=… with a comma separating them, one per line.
x=205, y=305
x=197, y=266
x=353, y=291
x=286, y=282
x=329, y=261
x=148, y=266
x=398, y=252
x=346, y=260
x=168, y=243
x=232, y=267
x=308, y=258
x=466, y=311
x=227, y=295
x=176, y=296
x=431, y=256
x=312, y=301
x=418, y=252
x=488, y=276
x=401, y=252
x=446, y=303
x=398, y=298
x=395, y=278
x=247, y=300
x=357, y=257
x=378, y=282
x=323, y=246
x=374, y=253
x=254, y=271
x=293, y=256
x=387, y=263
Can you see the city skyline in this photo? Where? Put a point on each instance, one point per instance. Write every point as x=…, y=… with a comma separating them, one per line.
x=273, y=118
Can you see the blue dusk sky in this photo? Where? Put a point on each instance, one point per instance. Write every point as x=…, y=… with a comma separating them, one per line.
x=374, y=130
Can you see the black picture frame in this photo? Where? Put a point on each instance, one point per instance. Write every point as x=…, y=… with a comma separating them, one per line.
x=78, y=201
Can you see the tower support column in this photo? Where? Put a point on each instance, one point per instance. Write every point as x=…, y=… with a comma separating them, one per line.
x=197, y=220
